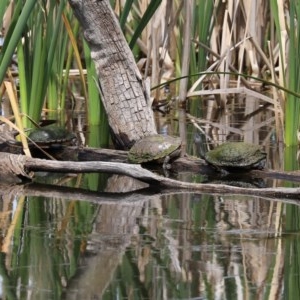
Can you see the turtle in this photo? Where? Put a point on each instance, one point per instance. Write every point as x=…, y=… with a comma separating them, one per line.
x=156, y=148
x=47, y=137
x=236, y=156
x=51, y=137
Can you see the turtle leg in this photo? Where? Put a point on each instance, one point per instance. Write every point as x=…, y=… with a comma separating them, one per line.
x=166, y=165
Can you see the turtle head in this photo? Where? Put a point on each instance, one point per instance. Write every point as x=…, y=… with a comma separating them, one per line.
x=200, y=145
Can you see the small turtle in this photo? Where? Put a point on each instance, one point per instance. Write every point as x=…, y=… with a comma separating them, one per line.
x=47, y=137
x=155, y=148
x=51, y=137
x=236, y=156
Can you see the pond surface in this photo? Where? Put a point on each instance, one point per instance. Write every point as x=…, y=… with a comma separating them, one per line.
x=66, y=244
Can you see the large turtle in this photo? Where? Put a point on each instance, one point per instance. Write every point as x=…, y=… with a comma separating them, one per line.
x=155, y=148
x=236, y=156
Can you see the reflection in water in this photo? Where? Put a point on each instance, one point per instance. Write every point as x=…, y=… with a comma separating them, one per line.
x=173, y=247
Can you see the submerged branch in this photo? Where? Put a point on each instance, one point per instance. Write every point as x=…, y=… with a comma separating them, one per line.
x=129, y=198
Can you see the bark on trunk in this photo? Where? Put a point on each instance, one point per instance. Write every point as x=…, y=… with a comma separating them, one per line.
x=123, y=92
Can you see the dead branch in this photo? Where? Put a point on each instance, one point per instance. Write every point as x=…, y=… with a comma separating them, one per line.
x=25, y=165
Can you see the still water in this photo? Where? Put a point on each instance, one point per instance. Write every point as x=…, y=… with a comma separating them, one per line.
x=76, y=244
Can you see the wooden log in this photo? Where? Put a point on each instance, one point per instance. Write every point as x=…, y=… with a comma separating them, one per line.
x=23, y=166
x=124, y=94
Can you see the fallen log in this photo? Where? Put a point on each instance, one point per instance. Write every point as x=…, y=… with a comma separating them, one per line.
x=183, y=164
x=187, y=163
x=19, y=165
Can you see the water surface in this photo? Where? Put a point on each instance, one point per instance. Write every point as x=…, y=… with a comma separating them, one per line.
x=176, y=246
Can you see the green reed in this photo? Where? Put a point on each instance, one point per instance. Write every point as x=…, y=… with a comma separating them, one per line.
x=3, y=7
x=152, y=7
x=45, y=37
x=15, y=31
x=35, y=32
x=292, y=110
x=202, y=27
x=292, y=71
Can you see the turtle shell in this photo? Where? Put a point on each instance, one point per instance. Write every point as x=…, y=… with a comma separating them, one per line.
x=50, y=136
x=154, y=148
x=236, y=155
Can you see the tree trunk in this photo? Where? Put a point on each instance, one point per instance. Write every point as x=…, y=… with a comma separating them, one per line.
x=122, y=89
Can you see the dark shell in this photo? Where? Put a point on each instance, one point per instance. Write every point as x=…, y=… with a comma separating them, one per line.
x=236, y=155
x=154, y=148
x=51, y=135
